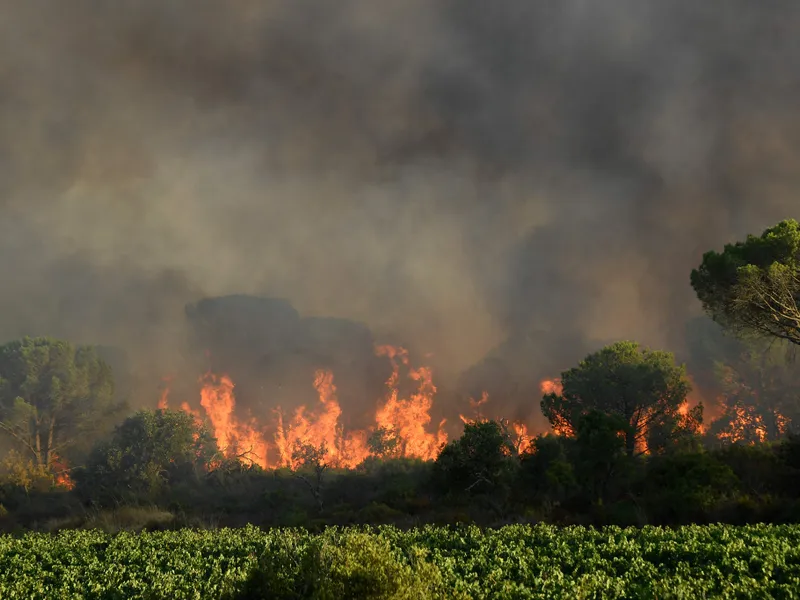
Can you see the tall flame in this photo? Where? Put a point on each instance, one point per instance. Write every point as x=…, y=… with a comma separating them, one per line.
x=321, y=431
x=234, y=438
x=405, y=420
x=407, y=417
x=553, y=386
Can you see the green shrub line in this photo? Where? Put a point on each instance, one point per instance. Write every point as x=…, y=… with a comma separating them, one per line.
x=515, y=561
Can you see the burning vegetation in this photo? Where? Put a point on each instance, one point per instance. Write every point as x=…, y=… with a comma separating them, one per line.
x=402, y=422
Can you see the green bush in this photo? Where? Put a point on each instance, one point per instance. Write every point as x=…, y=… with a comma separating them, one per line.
x=513, y=562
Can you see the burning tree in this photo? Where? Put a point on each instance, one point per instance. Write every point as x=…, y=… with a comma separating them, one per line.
x=760, y=395
x=644, y=387
x=754, y=286
x=755, y=382
x=51, y=394
x=384, y=443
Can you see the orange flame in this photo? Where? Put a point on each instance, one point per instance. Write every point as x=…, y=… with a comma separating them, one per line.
x=321, y=431
x=551, y=386
x=524, y=441
x=61, y=471
x=163, y=401
x=233, y=437
x=475, y=405
x=407, y=418
x=520, y=437
x=745, y=425
x=404, y=417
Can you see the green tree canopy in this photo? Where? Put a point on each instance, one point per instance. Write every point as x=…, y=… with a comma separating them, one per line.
x=52, y=394
x=482, y=459
x=150, y=450
x=754, y=286
x=644, y=387
x=600, y=443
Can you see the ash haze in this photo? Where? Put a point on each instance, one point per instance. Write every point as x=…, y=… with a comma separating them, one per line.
x=504, y=185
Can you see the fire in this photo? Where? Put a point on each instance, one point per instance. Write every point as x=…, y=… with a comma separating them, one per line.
x=551, y=386
x=475, y=405
x=407, y=417
x=61, y=472
x=518, y=431
x=744, y=425
x=234, y=438
x=524, y=441
x=163, y=401
x=320, y=431
x=403, y=418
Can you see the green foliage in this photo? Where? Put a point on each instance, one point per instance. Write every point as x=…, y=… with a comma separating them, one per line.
x=18, y=471
x=546, y=473
x=600, y=444
x=51, y=395
x=523, y=562
x=685, y=486
x=758, y=468
x=643, y=387
x=396, y=482
x=754, y=286
x=149, y=451
x=481, y=460
x=311, y=464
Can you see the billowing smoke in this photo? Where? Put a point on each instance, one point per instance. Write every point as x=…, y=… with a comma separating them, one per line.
x=501, y=185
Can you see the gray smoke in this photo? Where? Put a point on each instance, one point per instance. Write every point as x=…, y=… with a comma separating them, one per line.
x=463, y=175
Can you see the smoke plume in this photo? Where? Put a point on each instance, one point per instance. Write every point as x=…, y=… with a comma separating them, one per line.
x=501, y=185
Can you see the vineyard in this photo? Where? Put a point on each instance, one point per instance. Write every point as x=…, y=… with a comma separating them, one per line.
x=542, y=561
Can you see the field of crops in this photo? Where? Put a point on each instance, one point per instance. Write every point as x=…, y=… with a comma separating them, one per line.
x=512, y=562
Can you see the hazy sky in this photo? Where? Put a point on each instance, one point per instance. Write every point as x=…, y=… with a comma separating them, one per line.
x=452, y=172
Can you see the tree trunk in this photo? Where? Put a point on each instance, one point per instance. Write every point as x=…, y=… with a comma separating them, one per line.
x=630, y=442
x=37, y=434
x=50, y=435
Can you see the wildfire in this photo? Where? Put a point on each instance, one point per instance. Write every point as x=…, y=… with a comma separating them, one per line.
x=475, y=405
x=163, y=400
x=524, y=441
x=320, y=431
x=551, y=386
x=407, y=417
x=744, y=425
x=521, y=439
x=403, y=418
x=61, y=473
x=235, y=439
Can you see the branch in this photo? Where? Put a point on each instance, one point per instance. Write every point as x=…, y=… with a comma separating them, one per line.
x=481, y=478
x=8, y=429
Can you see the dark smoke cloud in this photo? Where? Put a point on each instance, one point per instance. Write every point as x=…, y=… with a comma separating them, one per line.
x=461, y=174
